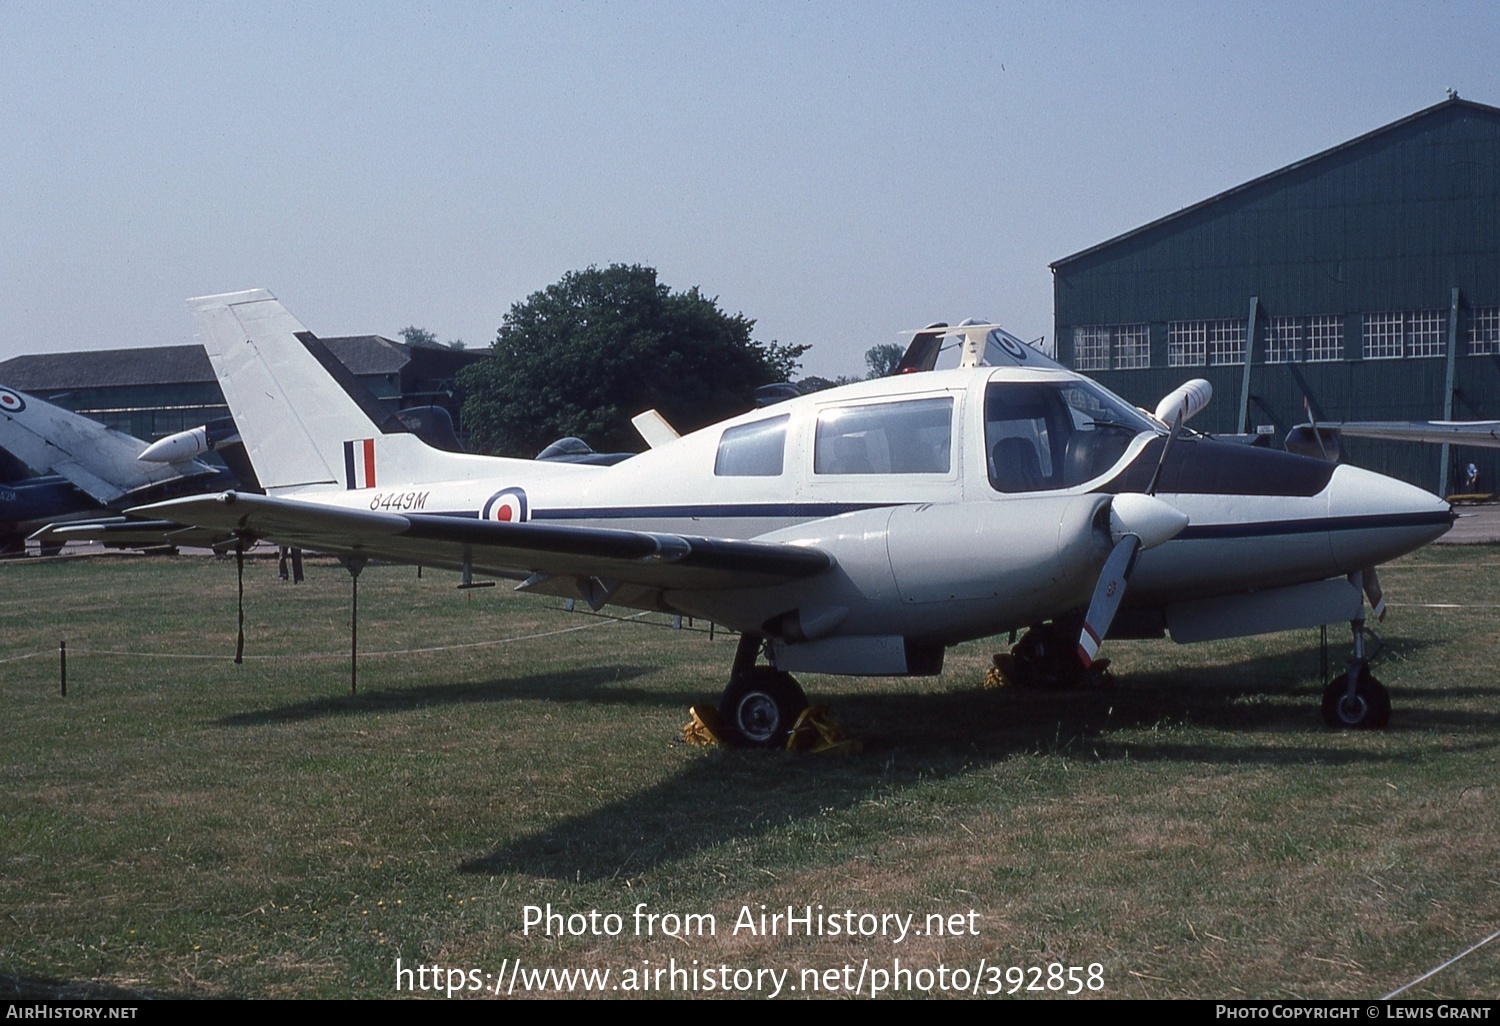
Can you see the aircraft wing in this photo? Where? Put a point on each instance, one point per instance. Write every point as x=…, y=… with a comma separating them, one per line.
x=1482, y=433
x=129, y=533
x=608, y=557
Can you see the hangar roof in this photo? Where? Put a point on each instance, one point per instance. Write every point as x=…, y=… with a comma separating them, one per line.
x=1255, y=183
x=116, y=368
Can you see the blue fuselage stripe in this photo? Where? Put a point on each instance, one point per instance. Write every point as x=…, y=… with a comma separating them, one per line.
x=1272, y=528
x=775, y=510
x=817, y=511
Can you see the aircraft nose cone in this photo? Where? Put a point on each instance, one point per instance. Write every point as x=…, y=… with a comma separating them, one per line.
x=1375, y=518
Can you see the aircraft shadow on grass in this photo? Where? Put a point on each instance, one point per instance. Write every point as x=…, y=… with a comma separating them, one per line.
x=586, y=684
x=911, y=738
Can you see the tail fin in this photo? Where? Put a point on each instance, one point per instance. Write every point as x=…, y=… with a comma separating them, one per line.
x=306, y=422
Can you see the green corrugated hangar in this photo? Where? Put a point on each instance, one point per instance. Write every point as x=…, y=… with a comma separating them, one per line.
x=1362, y=283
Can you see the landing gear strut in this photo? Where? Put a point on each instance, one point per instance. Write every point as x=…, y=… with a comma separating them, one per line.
x=761, y=703
x=1355, y=700
x=1047, y=657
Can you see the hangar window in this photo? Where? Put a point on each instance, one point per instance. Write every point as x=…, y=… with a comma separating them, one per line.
x=1382, y=338
x=1120, y=346
x=1424, y=333
x=1187, y=343
x=1091, y=348
x=1484, y=331
x=1132, y=347
x=1283, y=339
x=1325, y=339
x=1389, y=336
x=753, y=450
x=910, y=437
x=1226, y=342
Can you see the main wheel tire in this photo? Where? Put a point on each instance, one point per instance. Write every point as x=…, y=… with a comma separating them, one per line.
x=1368, y=709
x=759, y=708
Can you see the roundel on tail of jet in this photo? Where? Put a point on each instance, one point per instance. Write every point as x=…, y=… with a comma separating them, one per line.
x=10, y=402
x=1010, y=345
x=506, y=507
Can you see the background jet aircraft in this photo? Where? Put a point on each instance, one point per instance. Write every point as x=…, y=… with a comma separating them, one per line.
x=860, y=530
x=76, y=466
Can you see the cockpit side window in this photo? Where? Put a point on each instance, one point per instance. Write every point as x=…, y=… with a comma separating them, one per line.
x=914, y=436
x=753, y=450
x=1041, y=436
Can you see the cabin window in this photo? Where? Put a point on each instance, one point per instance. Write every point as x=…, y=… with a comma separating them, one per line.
x=753, y=450
x=911, y=437
x=1041, y=436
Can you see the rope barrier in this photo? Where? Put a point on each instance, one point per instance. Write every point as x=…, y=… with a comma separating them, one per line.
x=1434, y=972
x=18, y=658
x=600, y=622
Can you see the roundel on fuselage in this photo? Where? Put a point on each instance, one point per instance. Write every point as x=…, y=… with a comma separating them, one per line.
x=10, y=402
x=506, y=507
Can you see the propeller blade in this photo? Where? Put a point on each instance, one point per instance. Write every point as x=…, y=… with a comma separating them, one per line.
x=1374, y=593
x=1107, y=595
x=1165, y=449
x=1136, y=522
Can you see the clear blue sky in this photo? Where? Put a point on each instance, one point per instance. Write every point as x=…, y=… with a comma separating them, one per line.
x=838, y=172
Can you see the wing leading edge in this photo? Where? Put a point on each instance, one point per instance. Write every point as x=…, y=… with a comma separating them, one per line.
x=639, y=558
x=1481, y=433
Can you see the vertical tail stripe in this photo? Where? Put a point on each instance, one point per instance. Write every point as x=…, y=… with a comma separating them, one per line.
x=349, y=466
x=369, y=444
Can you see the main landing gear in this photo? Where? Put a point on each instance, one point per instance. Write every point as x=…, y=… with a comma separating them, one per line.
x=1047, y=657
x=761, y=704
x=1355, y=700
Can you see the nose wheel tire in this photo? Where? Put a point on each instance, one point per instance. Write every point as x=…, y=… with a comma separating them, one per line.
x=759, y=707
x=1368, y=708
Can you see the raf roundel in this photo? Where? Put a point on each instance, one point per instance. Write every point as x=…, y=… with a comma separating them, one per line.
x=1011, y=346
x=10, y=402
x=506, y=507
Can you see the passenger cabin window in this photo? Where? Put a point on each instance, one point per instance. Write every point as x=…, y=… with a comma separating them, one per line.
x=911, y=437
x=753, y=450
x=1042, y=436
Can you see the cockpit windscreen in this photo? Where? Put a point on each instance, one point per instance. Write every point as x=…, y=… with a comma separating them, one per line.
x=1046, y=435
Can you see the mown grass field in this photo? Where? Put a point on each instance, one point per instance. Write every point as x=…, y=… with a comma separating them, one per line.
x=182, y=826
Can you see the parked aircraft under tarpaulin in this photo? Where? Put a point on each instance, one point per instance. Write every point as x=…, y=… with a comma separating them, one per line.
x=859, y=530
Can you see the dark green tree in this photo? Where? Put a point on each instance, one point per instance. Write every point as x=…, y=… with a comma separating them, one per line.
x=815, y=383
x=882, y=360
x=415, y=336
x=583, y=356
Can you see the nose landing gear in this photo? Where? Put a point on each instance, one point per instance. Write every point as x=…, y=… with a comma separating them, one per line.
x=1355, y=700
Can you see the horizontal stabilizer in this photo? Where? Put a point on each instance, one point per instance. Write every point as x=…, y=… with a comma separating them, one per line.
x=653, y=427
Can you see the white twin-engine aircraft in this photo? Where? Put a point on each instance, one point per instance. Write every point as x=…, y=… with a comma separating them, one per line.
x=860, y=530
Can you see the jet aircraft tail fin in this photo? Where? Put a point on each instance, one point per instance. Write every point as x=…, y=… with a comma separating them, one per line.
x=306, y=422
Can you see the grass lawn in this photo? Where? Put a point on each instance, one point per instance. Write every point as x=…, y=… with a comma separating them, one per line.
x=178, y=825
